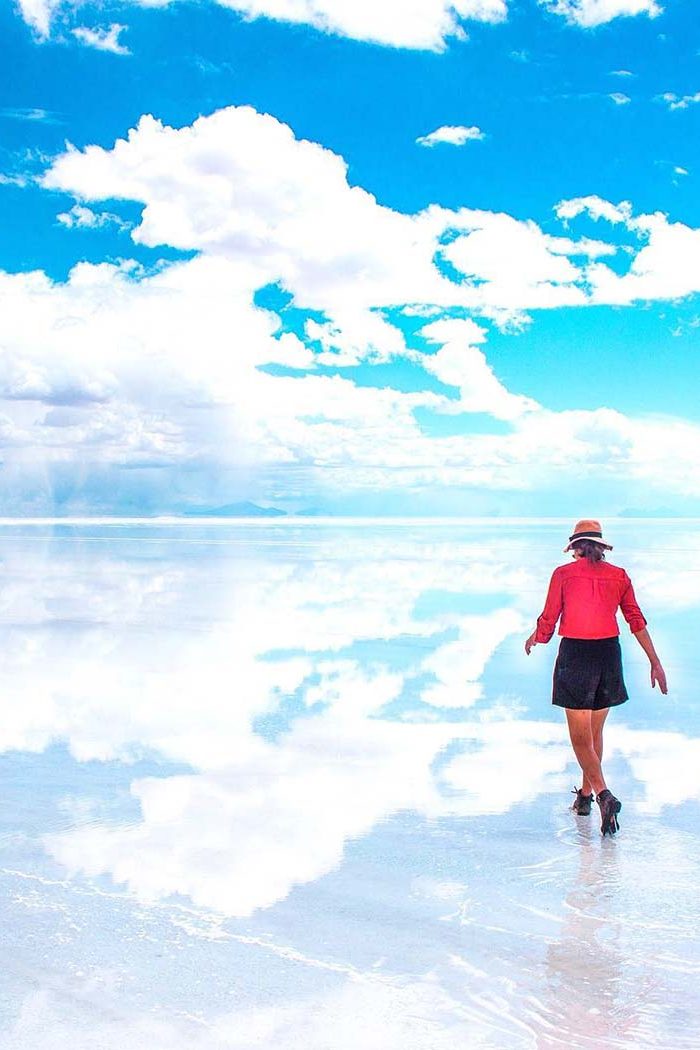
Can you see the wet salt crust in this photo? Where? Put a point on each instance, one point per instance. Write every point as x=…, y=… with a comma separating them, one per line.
x=296, y=784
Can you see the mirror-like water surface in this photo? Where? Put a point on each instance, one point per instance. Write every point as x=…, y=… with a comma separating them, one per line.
x=297, y=785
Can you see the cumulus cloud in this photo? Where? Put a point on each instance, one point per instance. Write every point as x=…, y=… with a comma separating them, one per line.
x=619, y=98
x=354, y=336
x=427, y=24
x=211, y=188
x=102, y=39
x=461, y=364
x=455, y=135
x=185, y=349
x=664, y=255
x=665, y=267
x=424, y=24
x=590, y=13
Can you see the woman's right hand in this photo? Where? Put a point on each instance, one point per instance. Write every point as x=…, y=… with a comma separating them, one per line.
x=659, y=675
x=530, y=642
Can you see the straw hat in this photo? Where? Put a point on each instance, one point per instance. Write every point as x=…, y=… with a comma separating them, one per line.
x=588, y=529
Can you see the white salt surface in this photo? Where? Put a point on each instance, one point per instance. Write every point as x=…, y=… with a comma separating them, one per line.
x=297, y=786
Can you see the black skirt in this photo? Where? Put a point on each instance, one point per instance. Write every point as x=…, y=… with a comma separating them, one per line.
x=588, y=674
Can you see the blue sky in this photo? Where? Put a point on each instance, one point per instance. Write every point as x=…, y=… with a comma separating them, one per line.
x=311, y=308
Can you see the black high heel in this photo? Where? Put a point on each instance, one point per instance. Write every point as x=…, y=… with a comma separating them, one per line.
x=609, y=808
x=582, y=803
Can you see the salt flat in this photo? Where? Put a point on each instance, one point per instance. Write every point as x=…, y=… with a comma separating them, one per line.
x=288, y=785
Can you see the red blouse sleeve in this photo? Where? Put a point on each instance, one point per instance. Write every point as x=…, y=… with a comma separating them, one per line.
x=629, y=608
x=553, y=606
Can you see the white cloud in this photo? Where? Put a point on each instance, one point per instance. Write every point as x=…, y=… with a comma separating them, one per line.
x=667, y=266
x=619, y=99
x=455, y=135
x=680, y=171
x=102, y=39
x=621, y=73
x=512, y=265
x=81, y=217
x=664, y=255
x=118, y=368
x=596, y=208
x=589, y=13
x=461, y=364
x=211, y=188
x=422, y=24
x=37, y=14
x=680, y=101
x=354, y=336
x=13, y=180
x=29, y=113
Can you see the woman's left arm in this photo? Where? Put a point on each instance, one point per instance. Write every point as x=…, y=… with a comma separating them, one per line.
x=638, y=626
x=657, y=672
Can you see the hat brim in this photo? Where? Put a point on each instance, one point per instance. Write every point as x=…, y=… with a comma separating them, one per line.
x=600, y=542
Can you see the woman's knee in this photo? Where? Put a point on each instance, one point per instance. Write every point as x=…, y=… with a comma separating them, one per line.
x=582, y=744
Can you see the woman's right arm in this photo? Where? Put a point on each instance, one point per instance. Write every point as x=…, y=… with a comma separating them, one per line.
x=547, y=620
x=657, y=672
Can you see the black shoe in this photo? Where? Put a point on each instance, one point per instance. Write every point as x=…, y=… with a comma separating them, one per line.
x=582, y=803
x=609, y=808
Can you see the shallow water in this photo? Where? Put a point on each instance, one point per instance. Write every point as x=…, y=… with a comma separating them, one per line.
x=279, y=785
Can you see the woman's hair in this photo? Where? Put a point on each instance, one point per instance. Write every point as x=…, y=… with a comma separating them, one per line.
x=590, y=550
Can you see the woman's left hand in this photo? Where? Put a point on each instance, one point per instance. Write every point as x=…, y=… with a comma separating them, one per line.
x=530, y=642
x=658, y=675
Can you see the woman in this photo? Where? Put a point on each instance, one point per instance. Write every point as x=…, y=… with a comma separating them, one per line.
x=588, y=679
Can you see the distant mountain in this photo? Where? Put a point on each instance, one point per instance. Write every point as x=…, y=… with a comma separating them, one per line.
x=245, y=509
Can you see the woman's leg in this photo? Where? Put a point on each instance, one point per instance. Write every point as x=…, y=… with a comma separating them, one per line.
x=597, y=723
x=581, y=733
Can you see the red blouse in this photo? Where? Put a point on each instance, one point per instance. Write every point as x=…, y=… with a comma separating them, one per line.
x=587, y=596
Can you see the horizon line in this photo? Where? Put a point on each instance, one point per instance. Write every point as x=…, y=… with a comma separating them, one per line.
x=300, y=519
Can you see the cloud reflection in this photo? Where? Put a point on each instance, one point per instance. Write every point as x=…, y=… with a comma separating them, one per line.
x=365, y=650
